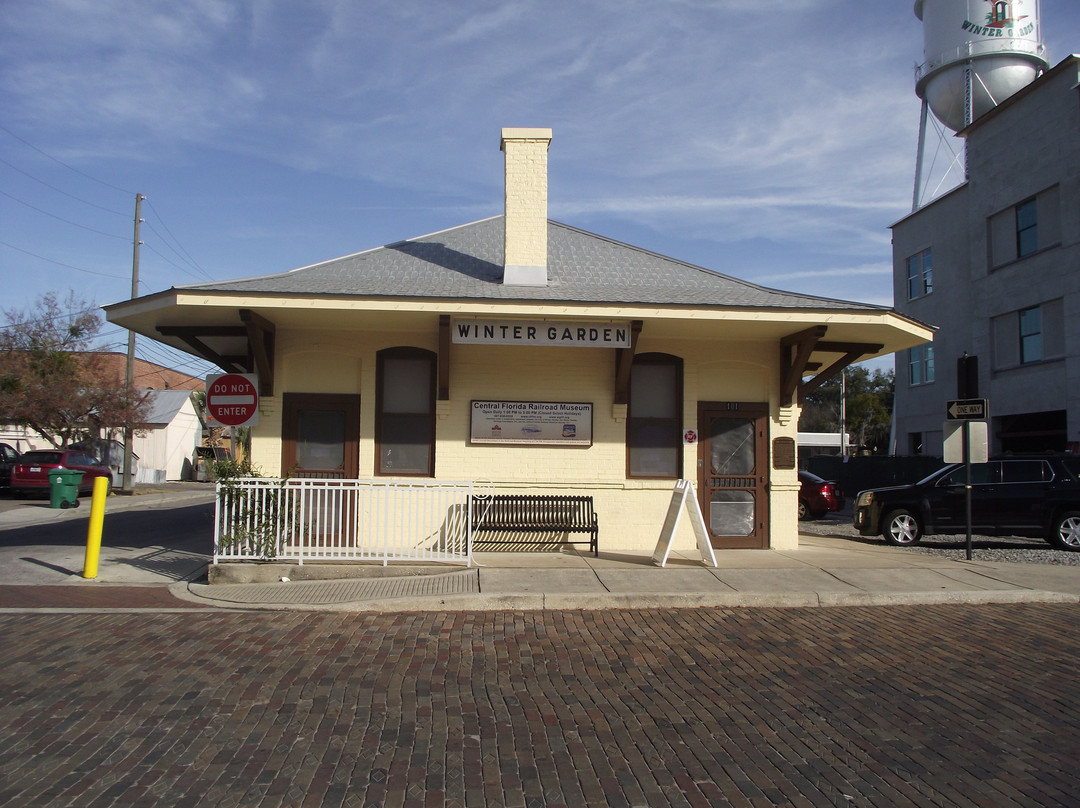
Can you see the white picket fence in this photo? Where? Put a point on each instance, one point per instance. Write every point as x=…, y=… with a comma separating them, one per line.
x=303, y=520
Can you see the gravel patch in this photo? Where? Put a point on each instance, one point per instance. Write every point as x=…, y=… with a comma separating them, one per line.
x=1017, y=549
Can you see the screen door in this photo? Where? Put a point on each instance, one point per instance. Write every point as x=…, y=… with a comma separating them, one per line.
x=733, y=462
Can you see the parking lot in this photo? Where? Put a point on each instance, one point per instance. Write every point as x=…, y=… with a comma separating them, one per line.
x=1017, y=549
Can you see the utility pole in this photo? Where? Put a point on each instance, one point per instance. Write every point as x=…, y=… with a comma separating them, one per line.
x=129, y=376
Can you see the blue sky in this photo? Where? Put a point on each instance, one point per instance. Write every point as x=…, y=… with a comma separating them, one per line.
x=772, y=140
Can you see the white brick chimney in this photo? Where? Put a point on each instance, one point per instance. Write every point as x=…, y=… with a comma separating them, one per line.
x=525, y=234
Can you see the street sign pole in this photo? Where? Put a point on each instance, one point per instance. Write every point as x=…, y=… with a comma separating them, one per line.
x=966, y=411
x=967, y=492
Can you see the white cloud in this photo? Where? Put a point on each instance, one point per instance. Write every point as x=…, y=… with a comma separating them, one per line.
x=487, y=23
x=786, y=125
x=873, y=270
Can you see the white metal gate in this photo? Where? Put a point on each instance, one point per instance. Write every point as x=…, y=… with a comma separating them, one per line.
x=342, y=520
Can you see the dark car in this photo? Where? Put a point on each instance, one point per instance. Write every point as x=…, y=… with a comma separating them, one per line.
x=817, y=496
x=8, y=458
x=1037, y=497
x=31, y=473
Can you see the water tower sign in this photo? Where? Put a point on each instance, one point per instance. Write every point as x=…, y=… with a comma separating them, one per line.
x=978, y=53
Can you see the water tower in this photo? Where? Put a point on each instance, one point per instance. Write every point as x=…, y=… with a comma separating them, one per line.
x=977, y=53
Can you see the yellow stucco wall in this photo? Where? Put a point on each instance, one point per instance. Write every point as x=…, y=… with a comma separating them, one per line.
x=631, y=511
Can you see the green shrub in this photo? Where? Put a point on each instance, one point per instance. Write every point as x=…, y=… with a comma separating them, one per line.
x=257, y=524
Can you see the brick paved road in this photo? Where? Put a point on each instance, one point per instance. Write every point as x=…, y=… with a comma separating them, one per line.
x=90, y=596
x=929, y=706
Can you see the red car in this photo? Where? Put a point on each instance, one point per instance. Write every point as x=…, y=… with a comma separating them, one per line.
x=31, y=474
x=817, y=496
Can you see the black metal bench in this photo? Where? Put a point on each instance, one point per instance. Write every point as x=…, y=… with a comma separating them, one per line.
x=514, y=513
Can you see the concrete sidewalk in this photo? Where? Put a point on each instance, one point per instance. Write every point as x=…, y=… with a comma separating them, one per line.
x=825, y=571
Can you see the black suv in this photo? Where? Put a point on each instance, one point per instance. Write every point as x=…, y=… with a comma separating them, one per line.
x=1012, y=496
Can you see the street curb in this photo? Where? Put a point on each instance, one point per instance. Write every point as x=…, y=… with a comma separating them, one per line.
x=600, y=602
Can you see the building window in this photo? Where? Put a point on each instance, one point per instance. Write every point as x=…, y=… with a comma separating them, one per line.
x=1031, y=341
x=1027, y=228
x=654, y=417
x=921, y=364
x=920, y=274
x=405, y=412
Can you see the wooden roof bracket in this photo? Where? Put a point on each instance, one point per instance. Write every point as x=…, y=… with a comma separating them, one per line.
x=852, y=352
x=792, y=367
x=444, y=357
x=260, y=334
x=257, y=330
x=624, y=360
x=190, y=335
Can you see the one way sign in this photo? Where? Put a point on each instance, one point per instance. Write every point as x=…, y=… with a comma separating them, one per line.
x=967, y=409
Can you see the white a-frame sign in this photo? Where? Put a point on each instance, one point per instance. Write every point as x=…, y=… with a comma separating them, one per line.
x=683, y=497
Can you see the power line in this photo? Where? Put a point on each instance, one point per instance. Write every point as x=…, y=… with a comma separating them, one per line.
x=60, y=191
x=162, y=351
x=171, y=242
x=61, y=219
x=150, y=247
x=186, y=255
x=61, y=263
x=65, y=165
x=158, y=352
x=200, y=275
x=60, y=316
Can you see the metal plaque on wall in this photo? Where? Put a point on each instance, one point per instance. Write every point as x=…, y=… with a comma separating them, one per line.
x=538, y=423
x=783, y=453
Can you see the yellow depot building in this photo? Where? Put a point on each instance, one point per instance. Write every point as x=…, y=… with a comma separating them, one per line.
x=532, y=358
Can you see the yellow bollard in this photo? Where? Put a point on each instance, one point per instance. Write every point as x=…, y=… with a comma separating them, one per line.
x=97, y=519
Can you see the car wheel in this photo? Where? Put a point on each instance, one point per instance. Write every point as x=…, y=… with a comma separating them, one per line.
x=1066, y=534
x=902, y=528
x=804, y=510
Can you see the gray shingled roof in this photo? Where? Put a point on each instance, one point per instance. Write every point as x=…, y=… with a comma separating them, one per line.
x=466, y=263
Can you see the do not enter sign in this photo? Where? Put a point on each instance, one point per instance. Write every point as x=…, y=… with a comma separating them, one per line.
x=232, y=399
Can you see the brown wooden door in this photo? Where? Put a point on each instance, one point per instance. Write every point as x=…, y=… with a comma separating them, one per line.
x=320, y=436
x=733, y=473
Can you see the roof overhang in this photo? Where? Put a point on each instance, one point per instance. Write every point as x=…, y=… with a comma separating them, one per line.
x=237, y=332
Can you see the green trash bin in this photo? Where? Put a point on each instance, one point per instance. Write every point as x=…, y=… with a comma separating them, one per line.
x=64, y=488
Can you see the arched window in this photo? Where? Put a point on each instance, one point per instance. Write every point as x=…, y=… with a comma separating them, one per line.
x=654, y=417
x=405, y=412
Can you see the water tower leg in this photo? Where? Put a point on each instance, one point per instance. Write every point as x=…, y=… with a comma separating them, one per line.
x=969, y=109
x=919, y=158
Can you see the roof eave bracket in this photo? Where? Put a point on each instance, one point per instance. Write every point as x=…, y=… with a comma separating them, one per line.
x=795, y=351
x=256, y=330
x=260, y=335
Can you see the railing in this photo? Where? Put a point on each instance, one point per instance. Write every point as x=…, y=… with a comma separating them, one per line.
x=342, y=520
x=977, y=48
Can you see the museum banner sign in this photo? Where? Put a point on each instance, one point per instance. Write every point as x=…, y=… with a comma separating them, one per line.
x=541, y=332
x=539, y=423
